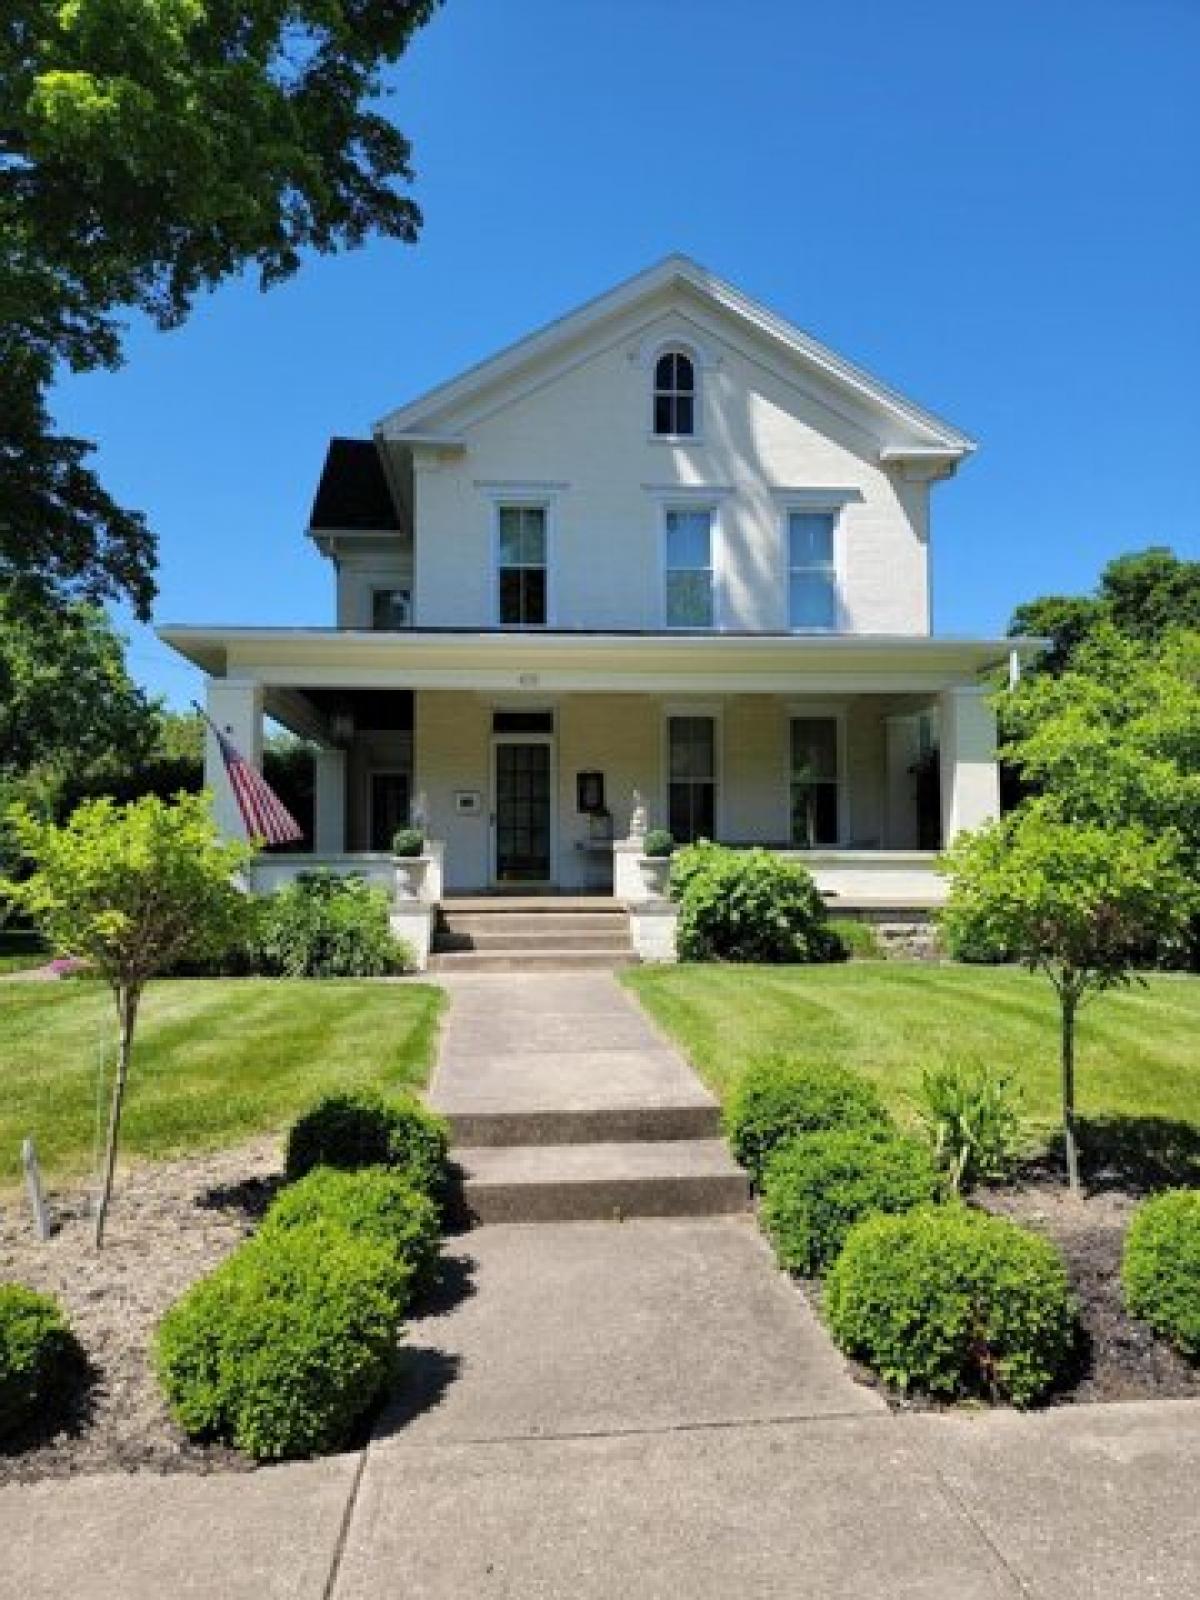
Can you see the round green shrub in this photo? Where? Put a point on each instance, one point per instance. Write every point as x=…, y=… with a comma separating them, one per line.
x=366, y=1130
x=658, y=843
x=374, y=1203
x=1161, y=1267
x=408, y=842
x=40, y=1360
x=322, y=925
x=954, y=1302
x=748, y=905
x=817, y=1187
x=287, y=1344
x=778, y=1098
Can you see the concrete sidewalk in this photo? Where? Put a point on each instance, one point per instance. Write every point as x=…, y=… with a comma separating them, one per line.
x=633, y=1411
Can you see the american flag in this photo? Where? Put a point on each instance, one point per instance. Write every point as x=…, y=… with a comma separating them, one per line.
x=264, y=813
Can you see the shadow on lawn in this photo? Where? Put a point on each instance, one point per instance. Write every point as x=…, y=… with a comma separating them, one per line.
x=1134, y=1155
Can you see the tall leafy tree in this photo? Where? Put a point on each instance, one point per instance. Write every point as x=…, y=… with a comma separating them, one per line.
x=150, y=149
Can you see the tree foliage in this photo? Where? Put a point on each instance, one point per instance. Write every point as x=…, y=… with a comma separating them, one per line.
x=1079, y=901
x=133, y=890
x=149, y=150
x=1143, y=595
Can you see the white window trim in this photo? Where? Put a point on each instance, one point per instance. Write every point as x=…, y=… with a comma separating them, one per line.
x=715, y=711
x=512, y=498
x=693, y=501
x=816, y=711
x=682, y=347
x=804, y=505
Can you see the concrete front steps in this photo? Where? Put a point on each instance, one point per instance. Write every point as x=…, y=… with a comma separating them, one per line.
x=525, y=933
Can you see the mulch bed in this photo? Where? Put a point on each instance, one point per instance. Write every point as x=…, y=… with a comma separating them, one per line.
x=170, y=1222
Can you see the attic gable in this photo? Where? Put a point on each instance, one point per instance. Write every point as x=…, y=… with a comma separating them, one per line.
x=681, y=289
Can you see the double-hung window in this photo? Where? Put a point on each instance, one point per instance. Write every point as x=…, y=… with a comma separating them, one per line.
x=521, y=567
x=674, y=395
x=692, y=778
x=816, y=782
x=812, y=572
x=689, y=568
x=391, y=609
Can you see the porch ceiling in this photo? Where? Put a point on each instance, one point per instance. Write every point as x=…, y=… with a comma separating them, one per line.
x=609, y=662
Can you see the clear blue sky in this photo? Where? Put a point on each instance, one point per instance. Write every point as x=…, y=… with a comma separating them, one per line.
x=994, y=206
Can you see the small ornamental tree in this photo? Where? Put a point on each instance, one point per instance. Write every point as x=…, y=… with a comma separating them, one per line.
x=1077, y=901
x=132, y=890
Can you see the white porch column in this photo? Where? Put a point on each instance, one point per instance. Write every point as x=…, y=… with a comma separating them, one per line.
x=329, y=802
x=236, y=706
x=969, y=772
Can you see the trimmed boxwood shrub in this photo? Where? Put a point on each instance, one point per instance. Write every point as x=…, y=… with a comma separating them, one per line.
x=778, y=1098
x=322, y=925
x=748, y=905
x=367, y=1130
x=287, y=1344
x=373, y=1203
x=817, y=1187
x=41, y=1363
x=1161, y=1267
x=953, y=1301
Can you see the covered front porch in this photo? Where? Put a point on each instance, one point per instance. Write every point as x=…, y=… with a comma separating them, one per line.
x=537, y=763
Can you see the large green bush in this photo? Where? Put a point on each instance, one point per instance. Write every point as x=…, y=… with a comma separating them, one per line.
x=287, y=1344
x=1161, y=1267
x=374, y=1203
x=748, y=905
x=954, y=1302
x=40, y=1361
x=367, y=1130
x=818, y=1186
x=324, y=926
x=778, y=1098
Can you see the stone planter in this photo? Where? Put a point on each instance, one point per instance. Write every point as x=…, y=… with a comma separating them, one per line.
x=655, y=873
x=411, y=872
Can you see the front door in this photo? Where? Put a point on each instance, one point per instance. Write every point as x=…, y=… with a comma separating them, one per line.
x=522, y=810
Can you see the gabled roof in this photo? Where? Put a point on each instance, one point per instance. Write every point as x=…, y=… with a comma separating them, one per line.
x=353, y=494
x=929, y=434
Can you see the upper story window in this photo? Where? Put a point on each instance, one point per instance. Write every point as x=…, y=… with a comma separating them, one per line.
x=674, y=395
x=391, y=609
x=689, y=556
x=521, y=567
x=812, y=572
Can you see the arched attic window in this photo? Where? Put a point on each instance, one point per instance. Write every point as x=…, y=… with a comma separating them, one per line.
x=674, y=394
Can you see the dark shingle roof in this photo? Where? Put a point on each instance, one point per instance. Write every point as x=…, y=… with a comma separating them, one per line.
x=353, y=493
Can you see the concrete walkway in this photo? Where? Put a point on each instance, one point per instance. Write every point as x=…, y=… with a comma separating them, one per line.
x=637, y=1411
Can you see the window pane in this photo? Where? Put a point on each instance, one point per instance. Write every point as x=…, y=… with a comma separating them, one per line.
x=664, y=414
x=812, y=601
x=689, y=600
x=533, y=537
x=664, y=371
x=810, y=537
x=814, y=747
x=510, y=535
x=685, y=377
x=534, y=596
x=390, y=609
x=689, y=539
x=814, y=815
x=684, y=407
x=691, y=811
x=692, y=747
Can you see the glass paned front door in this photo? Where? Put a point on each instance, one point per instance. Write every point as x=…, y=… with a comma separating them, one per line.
x=522, y=812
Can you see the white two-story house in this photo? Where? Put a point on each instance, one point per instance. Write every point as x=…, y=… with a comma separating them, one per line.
x=665, y=562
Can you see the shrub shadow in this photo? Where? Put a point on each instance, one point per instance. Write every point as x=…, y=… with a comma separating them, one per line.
x=452, y=1282
x=69, y=1413
x=423, y=1375
x=249, y=1196
x=1125, y=1155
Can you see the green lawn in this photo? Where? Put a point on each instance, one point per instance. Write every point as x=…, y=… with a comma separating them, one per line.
x=1139, y=1050
x=215, y=1060
x=20, y=950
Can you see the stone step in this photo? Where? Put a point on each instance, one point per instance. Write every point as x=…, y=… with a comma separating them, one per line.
x=542, y=905
x=583, y=1125
x=616, y=938
x=595, y=1182
x=555, y=960
x=515, y=922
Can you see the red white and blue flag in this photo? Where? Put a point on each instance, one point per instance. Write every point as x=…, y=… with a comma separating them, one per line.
x=264, y=813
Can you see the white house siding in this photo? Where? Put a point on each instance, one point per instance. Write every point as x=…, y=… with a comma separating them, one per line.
x=581, y=441
x=623, y=736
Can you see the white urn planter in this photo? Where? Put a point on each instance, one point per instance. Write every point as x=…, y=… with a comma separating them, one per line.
x=410, y=876
x=655, y=871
